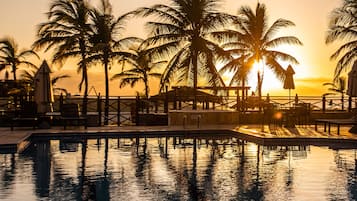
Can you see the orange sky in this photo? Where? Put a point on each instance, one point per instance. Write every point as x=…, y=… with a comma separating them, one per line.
x=19, y=18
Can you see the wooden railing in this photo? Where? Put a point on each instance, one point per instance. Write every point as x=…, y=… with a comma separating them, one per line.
x=125, y=110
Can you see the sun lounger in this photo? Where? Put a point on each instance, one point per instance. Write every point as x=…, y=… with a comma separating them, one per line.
x=338, y=122
x=70, y=115
x=26, y=116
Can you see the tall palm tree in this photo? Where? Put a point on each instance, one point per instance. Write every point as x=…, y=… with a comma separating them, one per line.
x=343, y=27
x=11, y=56
x=142, y=68
x=181, y=30
x=254, y=41
x=106, y=44
x=67, y=31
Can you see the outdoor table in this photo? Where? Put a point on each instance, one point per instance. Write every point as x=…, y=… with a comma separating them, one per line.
x=290, y=116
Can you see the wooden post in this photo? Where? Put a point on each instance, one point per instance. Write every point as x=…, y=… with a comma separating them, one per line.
x=147, y=105
x=61, y=102
x=238, y=101
x=175, y=98
x=99, y=110
x=342, y=103
x=137, y=105
x=323, y=103
x=350, y=104
x=166, y=104
x=156, y=106
x=118, y=113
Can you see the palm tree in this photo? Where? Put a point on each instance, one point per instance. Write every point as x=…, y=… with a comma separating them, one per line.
x=181, y=30
x=343, y=27
x=105, y=43
x=338, y=86
x=68, y=31
x=142, y=68
x=29, y=77
x=11, y=56
x=253, y=41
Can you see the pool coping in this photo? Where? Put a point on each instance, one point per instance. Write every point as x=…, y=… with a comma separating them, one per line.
x=250, y=135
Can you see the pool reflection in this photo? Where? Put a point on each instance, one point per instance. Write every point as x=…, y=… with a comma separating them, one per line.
x=176, y=169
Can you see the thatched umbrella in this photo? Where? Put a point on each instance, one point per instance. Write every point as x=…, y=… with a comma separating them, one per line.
x=186, y=94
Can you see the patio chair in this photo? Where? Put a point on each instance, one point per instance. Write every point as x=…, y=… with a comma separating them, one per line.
x=27, y=116
x=70, y=115
x=303, y=113
x=272, y=115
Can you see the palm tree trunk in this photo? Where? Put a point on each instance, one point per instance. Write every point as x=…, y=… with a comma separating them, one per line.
x=244, y=103
x=106, y=104
x=146, y=92
x=85, y=77
x=14, y=71
x=260, y=84
x=146, y=81
x=195, y=71
x=85, y=95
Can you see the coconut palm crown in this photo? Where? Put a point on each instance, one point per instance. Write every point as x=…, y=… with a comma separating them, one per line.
x=142, y=67
x=343, y=27
x=11, y=56
x=252, y=41
x=67, y=32
x=180, y=32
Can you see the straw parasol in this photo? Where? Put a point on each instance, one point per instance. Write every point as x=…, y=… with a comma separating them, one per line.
x=352, y=89
x=186, y=94
x=289, y=80
x=43, y=94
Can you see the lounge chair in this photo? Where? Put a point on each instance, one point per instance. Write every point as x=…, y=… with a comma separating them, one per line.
x=70, y=114
x=26, y=116
x=338, y=122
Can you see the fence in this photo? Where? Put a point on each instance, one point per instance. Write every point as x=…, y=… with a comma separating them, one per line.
x=126, y=110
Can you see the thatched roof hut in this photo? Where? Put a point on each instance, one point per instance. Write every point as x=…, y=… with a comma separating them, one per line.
x=186, y=94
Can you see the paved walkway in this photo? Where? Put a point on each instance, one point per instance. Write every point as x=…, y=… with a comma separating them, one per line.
x=265, y=135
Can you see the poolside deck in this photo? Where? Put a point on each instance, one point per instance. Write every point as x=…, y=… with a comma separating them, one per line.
x=17, y=140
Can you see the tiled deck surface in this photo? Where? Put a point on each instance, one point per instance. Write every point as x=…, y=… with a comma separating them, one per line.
x=255, y=133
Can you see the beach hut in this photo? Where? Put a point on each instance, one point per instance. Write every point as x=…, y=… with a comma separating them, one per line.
x=186, y=94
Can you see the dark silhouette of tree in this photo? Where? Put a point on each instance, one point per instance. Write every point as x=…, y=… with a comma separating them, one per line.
x=142, y=67
x=105, y=42
x=338, y=87
x=180, y=32
x=12, y=57
x=254, y=41
x=67, y=32
x=343, y=27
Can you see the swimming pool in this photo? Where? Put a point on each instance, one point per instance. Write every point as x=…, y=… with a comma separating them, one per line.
x=175, y=168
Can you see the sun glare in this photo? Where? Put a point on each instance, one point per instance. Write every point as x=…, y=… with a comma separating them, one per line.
x=270, y=82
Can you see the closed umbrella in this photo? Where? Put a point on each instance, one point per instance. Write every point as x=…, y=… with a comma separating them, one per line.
x=289, y=80
x=352, y=81
x=43, y=94
x=352, y=89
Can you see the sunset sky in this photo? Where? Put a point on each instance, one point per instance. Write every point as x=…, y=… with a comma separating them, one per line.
x=19, y=19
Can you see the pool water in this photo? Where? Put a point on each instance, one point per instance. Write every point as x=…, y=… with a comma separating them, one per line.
x=176, y=169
